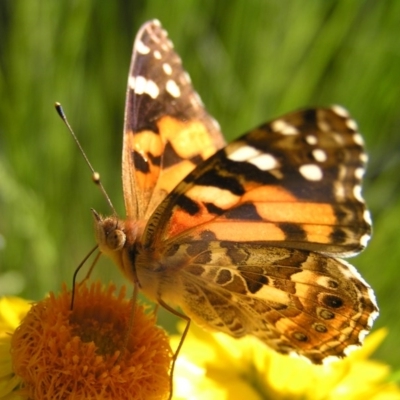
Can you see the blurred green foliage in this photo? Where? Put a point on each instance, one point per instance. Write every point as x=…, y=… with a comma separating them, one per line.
x=250, y=61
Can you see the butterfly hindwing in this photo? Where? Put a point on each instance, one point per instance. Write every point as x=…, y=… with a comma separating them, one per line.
x=293, y=300
x=167, y=130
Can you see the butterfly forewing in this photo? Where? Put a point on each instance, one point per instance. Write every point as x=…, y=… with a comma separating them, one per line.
x=294, y=182
x=167, y=130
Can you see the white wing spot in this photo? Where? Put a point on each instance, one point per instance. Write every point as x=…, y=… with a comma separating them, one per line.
x=131, y=82
x=367, y=217
x=341, y=111
x=142, y=48
x=363, y=157
x=172, y=88
x=352, y=347
x=329, y=360
x=244, y=153
x=187, y=77
x=364, y=240
x=264, y=162
x=357, y=193
x=311, y=140
x=359, y=173
x=283, y=127
x=140, y=84
x=167, y=68
x=351, y=124
x=319, y=155
x=358, y=139
x=157, y=55
x=152, y=89
x=311, y=172
x=222, y=198
x=363, y=333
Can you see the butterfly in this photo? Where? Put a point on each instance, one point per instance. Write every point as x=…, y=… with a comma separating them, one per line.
x=244, y=238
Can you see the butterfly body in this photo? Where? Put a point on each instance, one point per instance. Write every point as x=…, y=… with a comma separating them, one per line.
x=244, y=238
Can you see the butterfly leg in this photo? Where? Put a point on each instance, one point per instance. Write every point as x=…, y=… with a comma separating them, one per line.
x=178, y=349
x=87, y=275
x=155, y=310
x=131, y=318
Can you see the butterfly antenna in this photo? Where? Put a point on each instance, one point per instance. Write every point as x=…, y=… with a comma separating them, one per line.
x=95, y=175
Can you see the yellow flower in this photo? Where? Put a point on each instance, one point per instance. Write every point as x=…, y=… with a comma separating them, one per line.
x=216, y=366
x=12, y=310
x=84, y=354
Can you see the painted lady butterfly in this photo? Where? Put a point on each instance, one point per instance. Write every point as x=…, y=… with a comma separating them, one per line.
x=243, y=238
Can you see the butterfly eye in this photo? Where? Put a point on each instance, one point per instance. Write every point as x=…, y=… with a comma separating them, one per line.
x=115, y=240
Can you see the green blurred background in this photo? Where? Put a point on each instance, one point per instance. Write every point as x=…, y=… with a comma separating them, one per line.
x=250, y=61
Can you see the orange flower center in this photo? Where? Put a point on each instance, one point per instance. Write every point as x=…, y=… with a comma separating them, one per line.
x=60, y=354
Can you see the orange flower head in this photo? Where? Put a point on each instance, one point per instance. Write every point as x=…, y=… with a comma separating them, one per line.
x=86, y=354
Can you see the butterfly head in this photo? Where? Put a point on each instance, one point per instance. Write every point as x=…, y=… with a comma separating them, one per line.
x=110, y=234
